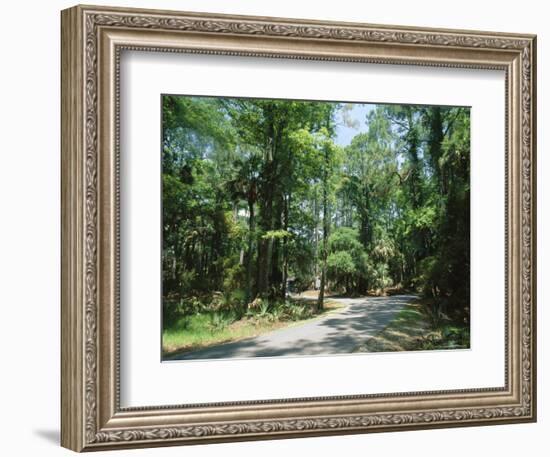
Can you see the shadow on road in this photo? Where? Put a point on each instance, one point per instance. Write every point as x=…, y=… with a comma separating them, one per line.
x=338, y=333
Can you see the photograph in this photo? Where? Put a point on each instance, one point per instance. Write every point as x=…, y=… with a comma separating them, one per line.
x=277, y=228
x=305, y=228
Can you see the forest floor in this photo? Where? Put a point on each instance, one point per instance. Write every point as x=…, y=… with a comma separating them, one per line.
x=340, y=331
x=196, y=332
x=411, y=330
x=403, y=333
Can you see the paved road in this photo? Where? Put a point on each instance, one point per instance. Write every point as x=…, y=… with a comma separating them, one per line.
x=337, y=333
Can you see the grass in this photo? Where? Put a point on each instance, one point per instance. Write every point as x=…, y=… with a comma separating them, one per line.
x=197, y=331
x=413, y=330
x=207, y=329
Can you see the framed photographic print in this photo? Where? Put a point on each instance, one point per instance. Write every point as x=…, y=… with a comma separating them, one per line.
x=276, y=228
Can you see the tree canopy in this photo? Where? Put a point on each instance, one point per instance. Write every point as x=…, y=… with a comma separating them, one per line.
x=264, y=197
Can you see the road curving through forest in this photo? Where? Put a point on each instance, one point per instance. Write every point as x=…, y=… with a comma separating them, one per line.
x=341, y=332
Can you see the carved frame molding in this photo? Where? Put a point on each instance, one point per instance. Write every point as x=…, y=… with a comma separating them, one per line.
x=92, y=40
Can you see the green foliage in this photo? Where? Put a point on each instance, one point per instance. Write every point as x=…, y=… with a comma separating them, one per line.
x=218, y=321
x=259, y=197
x=447, y=337
x=299, y=312
x=234, y=276
x=345, y=239
x=341, y=264
x=276, y=235
x=263, y=308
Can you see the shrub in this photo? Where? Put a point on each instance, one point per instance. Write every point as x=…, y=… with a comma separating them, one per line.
x=234, y=276
x=219, y=320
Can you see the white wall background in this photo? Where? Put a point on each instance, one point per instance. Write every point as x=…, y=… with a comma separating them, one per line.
x=29, y=228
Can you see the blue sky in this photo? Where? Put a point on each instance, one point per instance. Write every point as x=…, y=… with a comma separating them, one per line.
x=345, y=133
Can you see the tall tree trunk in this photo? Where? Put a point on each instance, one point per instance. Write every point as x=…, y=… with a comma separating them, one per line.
x=435, y=140
x=266, y=208
x=316, y=237
x=285, y=246
x=320, y=301
x=260, y=264
x=268, y=266
x=265, y=244
x=250, y=255
x=276, y=273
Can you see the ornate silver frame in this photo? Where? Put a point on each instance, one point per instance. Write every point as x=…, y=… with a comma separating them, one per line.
x=92, y=40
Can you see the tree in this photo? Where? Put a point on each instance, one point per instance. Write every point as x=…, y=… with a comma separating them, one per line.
x=258, y=193
x=244, y=186
x=346, y=259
